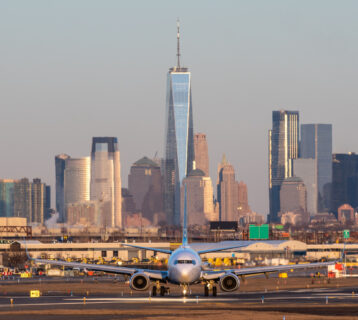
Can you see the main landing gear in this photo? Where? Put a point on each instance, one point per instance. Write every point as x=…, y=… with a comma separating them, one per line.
x=159, y=289
x=209, y=287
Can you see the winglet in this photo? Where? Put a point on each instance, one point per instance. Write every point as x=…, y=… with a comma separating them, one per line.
x=185, y=229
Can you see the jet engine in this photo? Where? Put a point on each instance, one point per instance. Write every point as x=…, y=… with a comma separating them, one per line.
x=229, y=282
x=139, y=281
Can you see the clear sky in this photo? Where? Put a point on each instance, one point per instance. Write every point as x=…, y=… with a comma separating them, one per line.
x=70, y=70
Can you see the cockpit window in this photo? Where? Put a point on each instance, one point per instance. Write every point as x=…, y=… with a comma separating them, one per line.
x=184, y=262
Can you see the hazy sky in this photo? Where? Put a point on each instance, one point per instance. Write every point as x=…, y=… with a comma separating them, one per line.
x=71, y=70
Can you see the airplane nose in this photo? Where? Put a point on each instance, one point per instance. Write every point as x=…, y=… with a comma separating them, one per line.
x=187, y=274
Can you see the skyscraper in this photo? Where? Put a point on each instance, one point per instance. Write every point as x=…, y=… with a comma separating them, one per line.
x=145, y=185
x=179, y=145
x=227, y=192
x=77, y=181
x=293, y=196
x=22, y=199
x=201, y=153
x=7, y=197
x=316, y=143
x=105, y=185
x=200, y=208
x=48, y=203
x=283, y=147
x=306, y=169
x=243, y=200
x=60, y=162
x=39, y=205
x=344, y=181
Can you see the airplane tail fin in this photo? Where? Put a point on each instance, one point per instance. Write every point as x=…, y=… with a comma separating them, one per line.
x=185, y=229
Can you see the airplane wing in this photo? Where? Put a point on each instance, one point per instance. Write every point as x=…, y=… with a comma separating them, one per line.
x=153, y=274
x=147, y=248
x=213, y=275
x=221, y=249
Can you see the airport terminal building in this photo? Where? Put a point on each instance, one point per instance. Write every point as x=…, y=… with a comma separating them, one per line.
x=259, y=252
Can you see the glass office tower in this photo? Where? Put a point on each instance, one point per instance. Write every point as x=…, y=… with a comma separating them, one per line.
x=7, y=197
x=179, y=136
x=179, y=150
x=60, y=164
x=105, y=181
x=283, y=148
x=316, y=143
x=344, y=181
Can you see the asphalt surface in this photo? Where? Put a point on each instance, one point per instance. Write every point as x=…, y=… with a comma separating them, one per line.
x=339, y=301
x=299, y=296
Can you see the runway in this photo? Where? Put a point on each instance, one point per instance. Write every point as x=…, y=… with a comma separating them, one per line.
x=256, y=299
x=299, y=296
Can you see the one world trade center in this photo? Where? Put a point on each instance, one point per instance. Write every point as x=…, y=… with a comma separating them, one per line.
x=179, y=137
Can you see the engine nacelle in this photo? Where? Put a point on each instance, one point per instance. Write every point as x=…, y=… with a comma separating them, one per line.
x=229, y=282
x=139, y=281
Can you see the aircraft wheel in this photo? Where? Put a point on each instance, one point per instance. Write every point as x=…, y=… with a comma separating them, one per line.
x=162, y=291
x=206, y=291
x=215, y=293
x=154, y=291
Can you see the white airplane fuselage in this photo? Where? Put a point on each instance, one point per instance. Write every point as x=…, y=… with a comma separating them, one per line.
x=184, y=266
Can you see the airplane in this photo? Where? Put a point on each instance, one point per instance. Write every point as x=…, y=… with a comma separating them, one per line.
x=185, y=268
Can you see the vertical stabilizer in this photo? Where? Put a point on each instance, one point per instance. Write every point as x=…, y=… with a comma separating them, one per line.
x=185, y=230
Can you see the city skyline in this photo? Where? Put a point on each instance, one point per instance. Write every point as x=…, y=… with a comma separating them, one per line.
x=58, y=111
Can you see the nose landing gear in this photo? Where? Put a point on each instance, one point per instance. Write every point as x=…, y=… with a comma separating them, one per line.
x=185, y=290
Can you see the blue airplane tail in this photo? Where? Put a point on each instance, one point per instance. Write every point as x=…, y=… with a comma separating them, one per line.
x=185, y=229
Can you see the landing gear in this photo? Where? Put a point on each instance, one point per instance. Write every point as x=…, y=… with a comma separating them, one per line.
x=206, y=290
x=162, y=291
x=214, y=291
x=209, y=287
x=159, y=290
x=185, y=290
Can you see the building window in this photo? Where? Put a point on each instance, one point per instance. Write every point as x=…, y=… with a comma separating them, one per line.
x=104, y=254
x=115, y=253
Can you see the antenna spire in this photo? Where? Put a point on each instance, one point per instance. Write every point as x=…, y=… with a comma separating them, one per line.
x=178, y=44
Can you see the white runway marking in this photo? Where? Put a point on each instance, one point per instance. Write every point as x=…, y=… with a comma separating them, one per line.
x=156, y=299
x=89, y=301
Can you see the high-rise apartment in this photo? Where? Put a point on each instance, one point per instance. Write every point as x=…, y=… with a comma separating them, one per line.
x=179, y=139
x=39, y=205
x=105, y=185
x=227, y=192
x=344, y=181
x=201, y=153
x=316, y=143
x=77, y=180
x=145, y=185
x=7, y=197
x=283, y=148
x=23, y=199
x=60, y=163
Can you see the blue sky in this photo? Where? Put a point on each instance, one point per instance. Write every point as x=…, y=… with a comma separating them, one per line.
x=70, y=70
